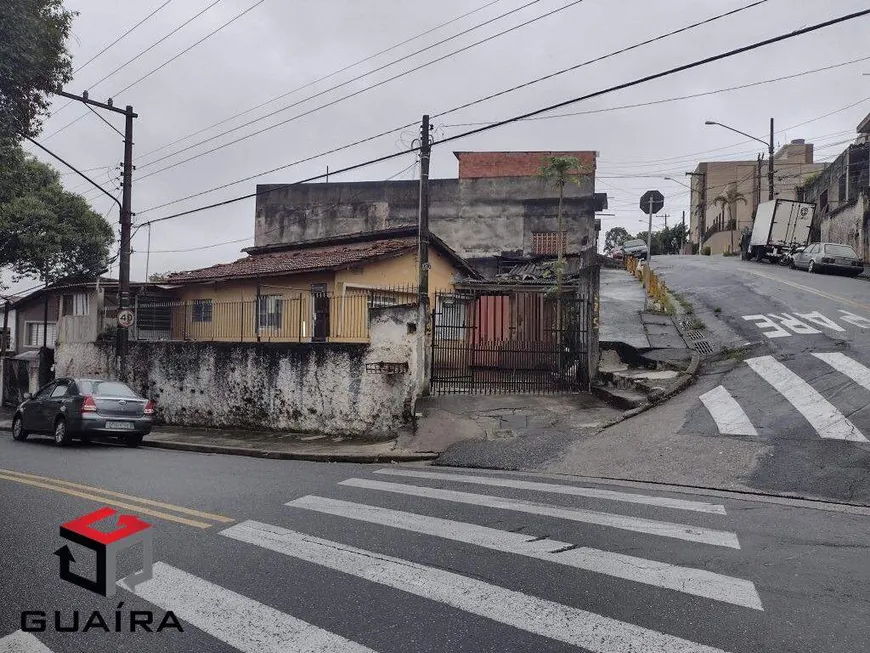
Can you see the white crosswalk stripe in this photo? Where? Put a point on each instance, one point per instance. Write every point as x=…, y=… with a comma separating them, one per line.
x=21, y=642
x=727, y=413
x=845, y=365
x=534, y=615
x=624, y=522
x=234, y=619
x=682, y=579
x=554, y=488
x=824, y=417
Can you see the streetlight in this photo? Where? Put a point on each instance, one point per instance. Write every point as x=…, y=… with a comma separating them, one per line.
x=678, y=182
x=769, y=150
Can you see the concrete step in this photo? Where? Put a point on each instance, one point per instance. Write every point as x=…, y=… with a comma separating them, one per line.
x=619, y=398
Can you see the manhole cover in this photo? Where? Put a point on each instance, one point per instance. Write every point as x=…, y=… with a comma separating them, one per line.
x=702, y=347
x=694, y=334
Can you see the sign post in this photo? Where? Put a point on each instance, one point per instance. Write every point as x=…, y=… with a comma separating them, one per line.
x=651, y=202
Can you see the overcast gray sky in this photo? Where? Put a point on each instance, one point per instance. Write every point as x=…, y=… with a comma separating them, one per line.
x=282, y=44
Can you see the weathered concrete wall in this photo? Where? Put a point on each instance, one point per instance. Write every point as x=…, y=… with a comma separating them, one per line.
x=848, y=225
x=478, y=218
x=321, y=388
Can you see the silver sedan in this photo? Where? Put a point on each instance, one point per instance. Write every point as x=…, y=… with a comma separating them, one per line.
x=828, y=257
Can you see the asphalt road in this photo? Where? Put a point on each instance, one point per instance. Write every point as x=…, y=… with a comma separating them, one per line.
x=802, y=384
x=389, y=559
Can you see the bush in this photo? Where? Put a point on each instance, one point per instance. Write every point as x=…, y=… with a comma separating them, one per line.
x=706, y=251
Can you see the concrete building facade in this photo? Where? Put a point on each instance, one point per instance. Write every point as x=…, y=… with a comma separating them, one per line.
x=712, y=224
x=496, y=214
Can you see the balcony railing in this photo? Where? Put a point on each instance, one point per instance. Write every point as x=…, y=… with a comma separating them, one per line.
x=286, y=317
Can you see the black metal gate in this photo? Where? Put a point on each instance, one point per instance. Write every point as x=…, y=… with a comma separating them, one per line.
x=516, y=339
x=16, y=381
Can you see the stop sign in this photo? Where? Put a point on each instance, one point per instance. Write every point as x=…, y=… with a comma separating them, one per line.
x=652, y=201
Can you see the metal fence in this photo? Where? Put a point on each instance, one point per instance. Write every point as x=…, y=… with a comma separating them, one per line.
x=302, y=316
x=515, y=339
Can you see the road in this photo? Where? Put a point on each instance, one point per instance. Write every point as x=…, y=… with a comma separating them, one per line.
x=802, y=384
x=260, y=555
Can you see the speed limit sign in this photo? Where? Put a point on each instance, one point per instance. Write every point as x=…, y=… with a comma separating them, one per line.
x=125, y=318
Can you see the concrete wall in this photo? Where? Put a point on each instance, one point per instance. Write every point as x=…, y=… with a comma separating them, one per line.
x=478, y=218
x=320, y=388
x=849, y=225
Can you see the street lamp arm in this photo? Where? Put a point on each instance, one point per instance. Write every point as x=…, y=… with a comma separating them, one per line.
x=712, y=122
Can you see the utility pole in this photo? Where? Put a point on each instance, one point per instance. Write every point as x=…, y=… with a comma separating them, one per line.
x=124, y=252
x=648, y=256
x=683, y=236
x=126, y=219
x=423, y=222
x=770, y=163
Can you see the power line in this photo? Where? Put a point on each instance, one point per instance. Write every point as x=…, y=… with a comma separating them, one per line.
x=341, y=99
x=191, y=47
x=320, y=79
x=127, y=63
x=71, y=167
x=116, y=41
x=443, y=113
x=618, y=87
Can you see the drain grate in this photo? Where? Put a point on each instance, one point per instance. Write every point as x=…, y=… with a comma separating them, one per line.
x=702, y=347
x=694, y=334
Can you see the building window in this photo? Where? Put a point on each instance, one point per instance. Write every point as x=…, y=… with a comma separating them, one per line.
x=269, y=311
x=202, y=310
x=548, y=242
x=76, y=304
x=841, y=189
x=380, y=299
x=823, y=201
x=33, y=333
x=5, y=339
x=450, y=317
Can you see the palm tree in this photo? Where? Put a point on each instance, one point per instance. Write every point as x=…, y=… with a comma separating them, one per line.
x=559, y=171
x=731, y=198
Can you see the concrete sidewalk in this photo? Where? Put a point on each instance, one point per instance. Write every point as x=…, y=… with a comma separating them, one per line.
x=276, y=445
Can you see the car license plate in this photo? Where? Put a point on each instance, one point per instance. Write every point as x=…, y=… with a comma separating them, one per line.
x=120, y=426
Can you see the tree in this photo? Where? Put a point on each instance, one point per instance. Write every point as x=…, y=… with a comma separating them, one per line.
x=45, y=231
x=730, y=198
x=615, y=237
x=558, y=171
x=33, y=62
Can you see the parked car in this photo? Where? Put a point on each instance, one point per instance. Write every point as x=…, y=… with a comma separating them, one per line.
x=830, y=257
x=83, y=408
x=635, y=248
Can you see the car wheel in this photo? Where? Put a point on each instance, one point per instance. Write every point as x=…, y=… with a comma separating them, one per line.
x=133, y=441
x=18, y=432
x=812, y=267
x=61, y=435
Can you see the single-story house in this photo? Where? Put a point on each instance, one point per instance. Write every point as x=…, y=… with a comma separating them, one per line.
x=313, y=291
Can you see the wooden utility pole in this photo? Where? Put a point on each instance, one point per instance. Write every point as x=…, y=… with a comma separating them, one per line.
x=124, y=253
x=423, y=221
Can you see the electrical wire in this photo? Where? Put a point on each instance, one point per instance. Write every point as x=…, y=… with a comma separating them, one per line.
x=636, y=82
x=128, y=62
x=335, y=101
x=71, y=167
x=319, y=79
x=191, y=47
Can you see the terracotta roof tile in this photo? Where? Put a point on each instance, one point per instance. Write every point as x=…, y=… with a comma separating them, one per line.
x=310, y=259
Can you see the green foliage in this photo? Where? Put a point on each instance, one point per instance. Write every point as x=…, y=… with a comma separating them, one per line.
x=706, y=251
x=33, y=62
x=45, y=231
x=558, y=171
x=615, y=237
x=668, y=240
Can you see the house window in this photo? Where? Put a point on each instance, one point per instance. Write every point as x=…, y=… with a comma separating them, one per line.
x=202, y=310
x=269, y=311
x=841, y=189
x=450, y=318
x=823, y=201
x=75, y=304
x=33, y=333
x=548, y=242
x=379, y=299
x=5, y=339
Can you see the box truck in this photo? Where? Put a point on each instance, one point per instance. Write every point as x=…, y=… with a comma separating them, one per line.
x=779, y=228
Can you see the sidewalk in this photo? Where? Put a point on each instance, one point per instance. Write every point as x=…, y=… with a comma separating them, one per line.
x=276, y=445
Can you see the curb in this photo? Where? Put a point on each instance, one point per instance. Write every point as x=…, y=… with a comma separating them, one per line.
x=326, y=457
x=293, y=455
x=691, y=374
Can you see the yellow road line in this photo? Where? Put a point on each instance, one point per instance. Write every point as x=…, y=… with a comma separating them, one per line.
x=147, y=502
x=111, y=502
x=820, y=293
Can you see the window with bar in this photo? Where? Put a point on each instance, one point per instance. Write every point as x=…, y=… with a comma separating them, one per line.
x=548, y=242
x=202, y=310
x=269, y=311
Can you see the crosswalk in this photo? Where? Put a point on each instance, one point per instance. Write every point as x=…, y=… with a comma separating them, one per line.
x=435, y=505
x=827, y=420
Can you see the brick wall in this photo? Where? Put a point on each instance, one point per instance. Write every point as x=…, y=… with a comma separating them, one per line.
x=474, y=165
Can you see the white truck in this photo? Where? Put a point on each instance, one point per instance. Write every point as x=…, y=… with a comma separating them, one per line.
x=779, y=228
